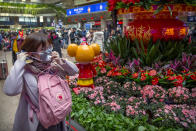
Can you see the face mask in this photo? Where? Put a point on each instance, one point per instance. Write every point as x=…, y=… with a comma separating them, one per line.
x=45, y=56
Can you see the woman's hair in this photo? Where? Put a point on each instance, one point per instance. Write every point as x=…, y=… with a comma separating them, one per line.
x=34, y=40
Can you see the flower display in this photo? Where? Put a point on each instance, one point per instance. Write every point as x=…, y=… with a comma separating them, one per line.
x=179, y=94
x=158, y=93
x=155, y=81
x=183, y=115
x=153, y=92
x=135, y=107
x=152, y=73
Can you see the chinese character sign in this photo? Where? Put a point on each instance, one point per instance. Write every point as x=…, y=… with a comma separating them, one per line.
x=144, y=29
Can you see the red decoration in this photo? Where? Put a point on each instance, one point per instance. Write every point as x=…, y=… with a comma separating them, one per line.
x=60, y=97
x=97, y=22
x=92, y=18
x=84, y=19
x=76, y=20
x=101, y=17
x=156, y=28
x=69, y=20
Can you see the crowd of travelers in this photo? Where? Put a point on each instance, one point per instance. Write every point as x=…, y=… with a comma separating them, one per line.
x=12, y=40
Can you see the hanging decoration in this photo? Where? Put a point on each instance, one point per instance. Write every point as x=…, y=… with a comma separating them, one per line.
x=84, y=19
x=69, y=20
x=154, y=8
x=146, y=4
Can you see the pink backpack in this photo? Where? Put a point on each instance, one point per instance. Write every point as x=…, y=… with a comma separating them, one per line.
x=54, y=100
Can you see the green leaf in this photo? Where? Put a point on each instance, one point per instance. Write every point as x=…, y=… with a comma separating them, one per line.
x=170, y=10
x=134, y=52
x=157, y=120
x=158, y=10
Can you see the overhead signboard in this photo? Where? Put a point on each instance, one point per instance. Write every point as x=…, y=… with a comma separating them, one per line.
x=191, y=18
x=88, y=9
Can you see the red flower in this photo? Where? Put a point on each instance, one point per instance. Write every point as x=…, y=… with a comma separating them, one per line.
x=184, y=71
x=155, y=81
x=170, y=72
x=180, y=78
x=142, y=71
x=103, y=70
x=135, y=75
x=171, y=78
x=114, y=72
x=143, y=78
x=187, y=74
x=144, y=74
x=152, y=73
x=193, y=77
x=179, y=81
x=110, y=73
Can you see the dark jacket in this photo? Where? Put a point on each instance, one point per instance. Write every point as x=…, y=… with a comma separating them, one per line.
x=72, y=37
x=57, y=45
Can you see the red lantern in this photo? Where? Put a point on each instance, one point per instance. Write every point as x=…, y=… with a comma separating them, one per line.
x=69, y=20
x=92, y=18
x=76, y=20
x=101, y=17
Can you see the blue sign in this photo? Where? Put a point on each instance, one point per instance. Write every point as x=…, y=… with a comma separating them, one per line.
x=88, y=9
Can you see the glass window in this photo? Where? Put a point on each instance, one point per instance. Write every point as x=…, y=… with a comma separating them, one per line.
x=4, y=18
x=21, y=19
x=48, y=20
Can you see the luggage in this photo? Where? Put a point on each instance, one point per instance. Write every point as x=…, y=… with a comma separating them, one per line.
x=3, y=67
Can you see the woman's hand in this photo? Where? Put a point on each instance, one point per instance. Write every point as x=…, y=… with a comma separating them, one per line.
x=22, y=56
x=55, y=58
x=55, y=55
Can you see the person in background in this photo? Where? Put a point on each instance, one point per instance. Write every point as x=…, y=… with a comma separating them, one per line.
x=65, y=38
x=56, y=43
x=1, y=38
x=73, y=35
x=90, y=36
x=20, y=40
x=118, y=31
x=112, y=35
x=20, y=33
x=14, y=46
x=84, y=33
x=106, y=34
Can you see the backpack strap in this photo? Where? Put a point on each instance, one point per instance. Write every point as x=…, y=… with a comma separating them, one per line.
x=33, y=108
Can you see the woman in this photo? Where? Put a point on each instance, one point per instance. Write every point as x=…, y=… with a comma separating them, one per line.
x=22, y=78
